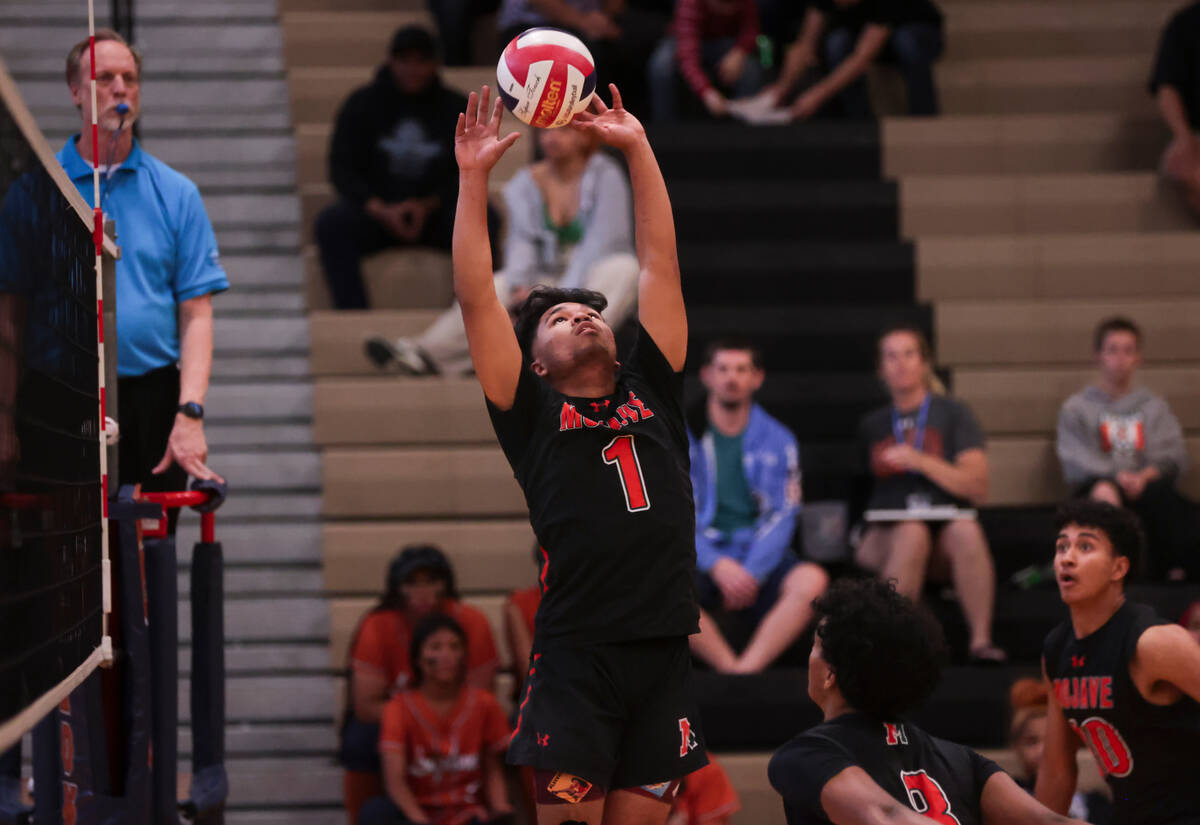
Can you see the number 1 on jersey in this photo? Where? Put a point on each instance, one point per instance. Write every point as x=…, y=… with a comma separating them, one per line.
x=623, y=453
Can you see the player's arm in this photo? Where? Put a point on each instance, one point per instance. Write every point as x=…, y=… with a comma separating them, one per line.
x=495, y=352
x=1059, y=772
x=1004, y=802
x=395, y=782
x=660, y=296
x=854, y=798
x=1168, y=653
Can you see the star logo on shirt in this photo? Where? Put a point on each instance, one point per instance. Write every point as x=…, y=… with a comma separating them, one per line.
x=409, y=149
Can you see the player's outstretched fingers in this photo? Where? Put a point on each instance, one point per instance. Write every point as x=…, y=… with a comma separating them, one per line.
x=472, y=109
x=461, y=128
x=599, y=105
x=616, y=96
x=497, y=115
x=484, y=95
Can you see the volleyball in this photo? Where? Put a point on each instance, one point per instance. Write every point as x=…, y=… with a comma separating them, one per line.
x=545, y=77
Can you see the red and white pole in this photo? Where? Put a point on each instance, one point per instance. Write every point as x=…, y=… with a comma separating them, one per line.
x=98, y=242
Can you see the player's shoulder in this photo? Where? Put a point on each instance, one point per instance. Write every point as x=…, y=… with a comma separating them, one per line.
x=1058, y=638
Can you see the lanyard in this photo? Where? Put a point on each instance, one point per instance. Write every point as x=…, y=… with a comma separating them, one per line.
x=918, y=427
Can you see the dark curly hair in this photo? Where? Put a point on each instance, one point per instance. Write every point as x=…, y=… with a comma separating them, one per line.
x=542, y=298
x=885, y=652
x=425, y=628
x=1122, y=528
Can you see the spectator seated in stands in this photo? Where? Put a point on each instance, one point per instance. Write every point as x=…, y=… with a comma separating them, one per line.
x=391, y=161
x=713, y=45
x=746, y=482
x=1027, y=737
x=620, y=34
x=420, y=582
x=927, y=464
x=455, y=20
x=569, y=225
x=1121, y=443
x=852, y=34
x=1175, y=83
x=706, y=797
x=1191, y=619
x=441, y=741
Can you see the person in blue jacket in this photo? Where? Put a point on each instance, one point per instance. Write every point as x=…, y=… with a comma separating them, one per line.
x=746, y=483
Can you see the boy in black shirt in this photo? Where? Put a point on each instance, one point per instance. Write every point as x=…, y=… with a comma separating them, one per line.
x=1120, y=678
x=877, y=656
x=600, y=449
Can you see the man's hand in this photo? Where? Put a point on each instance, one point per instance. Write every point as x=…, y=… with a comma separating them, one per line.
x=396, y=218
x=599, y=26
x=715, y=102
x=411, y=215
x=807, y=105
x=1134, y=484
x=902, y=458
x=477, y=142
x=738, y=588
x=187, y=448
x=729, y=67
x=615, y=126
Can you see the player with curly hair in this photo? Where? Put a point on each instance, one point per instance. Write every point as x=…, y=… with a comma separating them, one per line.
x=877, y=656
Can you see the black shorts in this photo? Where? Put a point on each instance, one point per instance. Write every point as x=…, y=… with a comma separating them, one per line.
x=617, y=715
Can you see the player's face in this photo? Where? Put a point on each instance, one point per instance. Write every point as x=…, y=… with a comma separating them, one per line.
x=1119, y=356
x=732, y=378
x=1031, y=745
x=423, y=592
x=442, y=657
x=901, y=364
x=413, y=72
x=1085, y=564
x=569, y=334
x=117, y=82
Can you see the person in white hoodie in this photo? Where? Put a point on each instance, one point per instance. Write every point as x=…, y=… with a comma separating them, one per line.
x=1120, y=443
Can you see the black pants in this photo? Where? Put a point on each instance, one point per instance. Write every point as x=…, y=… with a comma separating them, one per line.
x=913, y=47
x=346, y=234
x=147, y=406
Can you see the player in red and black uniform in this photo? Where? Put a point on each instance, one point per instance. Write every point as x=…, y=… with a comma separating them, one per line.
x=875, y=657
x=600, y=449
x=1121, y=679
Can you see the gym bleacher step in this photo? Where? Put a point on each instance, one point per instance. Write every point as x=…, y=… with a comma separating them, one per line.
x=286, y=698
x=798, y=338
x=293, y=433
x=1047, y=85
x=243, y=580
x=257, y=619
x=241, y=335
x=813, y=272
x=737, y=152
x=241, y=400
x=763, y=210
x=285, y=656
x=256, y=739
x=265, y=542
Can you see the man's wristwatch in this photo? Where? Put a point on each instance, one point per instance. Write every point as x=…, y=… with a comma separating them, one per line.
x=192, y=410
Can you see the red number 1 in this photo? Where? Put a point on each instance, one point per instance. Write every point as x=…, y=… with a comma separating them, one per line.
x=620, y=451
x=927, y=797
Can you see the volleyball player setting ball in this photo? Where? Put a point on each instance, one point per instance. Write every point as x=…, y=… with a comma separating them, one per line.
x=599, y=447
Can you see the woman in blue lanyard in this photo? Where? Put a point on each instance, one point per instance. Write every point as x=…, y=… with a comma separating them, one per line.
x=928, y=468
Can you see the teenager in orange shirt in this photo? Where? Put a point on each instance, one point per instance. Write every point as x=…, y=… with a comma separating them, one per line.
x=420, y=582
x=441, y=741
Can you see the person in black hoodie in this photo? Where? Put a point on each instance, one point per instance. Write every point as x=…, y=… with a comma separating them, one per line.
x=392, y=162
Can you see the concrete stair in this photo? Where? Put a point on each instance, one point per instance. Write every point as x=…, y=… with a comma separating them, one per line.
x=215, y=106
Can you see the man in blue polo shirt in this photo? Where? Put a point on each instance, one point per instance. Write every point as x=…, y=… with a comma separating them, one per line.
x=167, y=274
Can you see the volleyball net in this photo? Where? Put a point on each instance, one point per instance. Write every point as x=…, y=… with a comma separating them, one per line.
x=53, y=556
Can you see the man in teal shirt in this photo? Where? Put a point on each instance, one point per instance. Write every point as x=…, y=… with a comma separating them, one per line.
x=167, y=274
x=746, y=482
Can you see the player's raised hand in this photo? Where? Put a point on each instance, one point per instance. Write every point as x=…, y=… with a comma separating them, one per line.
x=477, y=141
x=612, y=125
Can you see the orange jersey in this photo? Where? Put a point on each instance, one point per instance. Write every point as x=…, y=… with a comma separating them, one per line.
x=706, y=795
x=444, y=754
x=385, y=637
x=527, y=601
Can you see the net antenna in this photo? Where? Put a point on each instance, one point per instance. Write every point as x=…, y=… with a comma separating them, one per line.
x=106, y=650
x=92, y=222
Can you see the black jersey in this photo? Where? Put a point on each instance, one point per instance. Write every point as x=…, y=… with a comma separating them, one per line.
x=1149, y=754
x=935, y=777
x=610, y=500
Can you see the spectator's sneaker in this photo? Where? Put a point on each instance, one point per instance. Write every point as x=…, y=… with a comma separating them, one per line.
x=987, y=655
x=401, y=355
